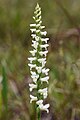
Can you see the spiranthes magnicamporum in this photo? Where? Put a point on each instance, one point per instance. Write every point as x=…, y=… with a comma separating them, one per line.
x=39, y=73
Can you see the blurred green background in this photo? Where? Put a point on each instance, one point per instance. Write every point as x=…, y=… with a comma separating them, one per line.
x=62, y=21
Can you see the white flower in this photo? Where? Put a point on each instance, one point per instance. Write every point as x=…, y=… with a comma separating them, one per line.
x=44, y=39
x=33, y=30
x=35, y=77
x=37, y=7
x=33, y=98
x=33, y=52
x=44, y=107
x=32, y=66
x=44, y=33
x=38, y=14
x=44, y=46
x=38, y=19
x=42, y=27
x=44, y=79
x=43, y=92
x=37, y=31
x=32, y=86
x=44, y=70
x=43, y=53
x=33, y=73
x=34, y=18
x=43, y=61
x=38, y=25
x=33, y=35
x=32, y=25
x=31, y=59
x=39, y=69
x=37, y=38
x=40, y=22
x=35, y=44
x=33, y=41
x=39, y=102
x=37, y=10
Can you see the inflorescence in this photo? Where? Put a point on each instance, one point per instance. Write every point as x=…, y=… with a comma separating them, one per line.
x=39, y=73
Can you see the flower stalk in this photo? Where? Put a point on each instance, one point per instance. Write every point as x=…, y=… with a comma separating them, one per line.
x=39, y=73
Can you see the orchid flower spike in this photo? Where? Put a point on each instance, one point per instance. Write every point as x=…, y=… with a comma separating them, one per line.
x=37, y=61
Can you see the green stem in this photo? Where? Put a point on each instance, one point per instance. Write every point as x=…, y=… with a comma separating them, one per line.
x=38, y=114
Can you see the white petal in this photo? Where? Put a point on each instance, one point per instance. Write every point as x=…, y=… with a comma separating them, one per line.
x=44, y=46
x=32, y=86
x=44, y=92
x=41, y=60
x=39, y=102
x=37, y=7
x=33, y=73
x=43, y=53
x=39, y=69
x=44, y=79
x=33, y=98
x=35, y=44
x=32, y=66
x=33, y=30
x=44, y=107
x=45, y=71
x=40, y=22
x=34, y=18
x=35, y=78
x=44, y=39
x=33, y=52
x=31, y=59
x=38, y=19
x=44, y=33
x=37, y=31
x=42, y=27
x=38, y=25
x=33, y=35
x=37, y=38
x=38, y=14
x=37, y=10
x=32, y=25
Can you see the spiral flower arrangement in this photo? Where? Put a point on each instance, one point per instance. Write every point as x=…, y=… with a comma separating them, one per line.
x=39, y=73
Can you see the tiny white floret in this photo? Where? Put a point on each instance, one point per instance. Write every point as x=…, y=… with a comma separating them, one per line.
x=32, y=86
x=33, y=98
